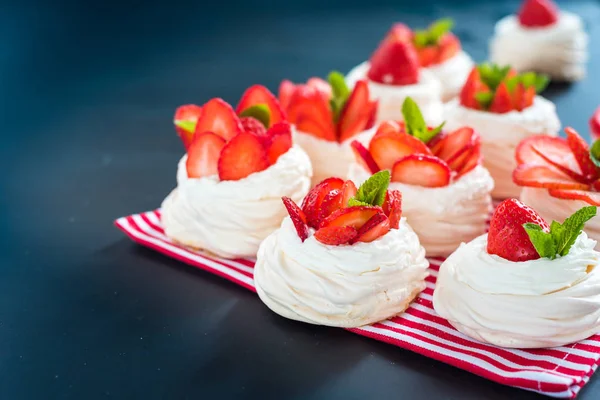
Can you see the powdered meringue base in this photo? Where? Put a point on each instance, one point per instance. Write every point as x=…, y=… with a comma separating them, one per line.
x=452, y=74
x=330, y=159
x=444, y=217
x=500, y=135
x=427, y=93
x=344, y=286
x=231, y=218
x=531, y=304
x=551, y=208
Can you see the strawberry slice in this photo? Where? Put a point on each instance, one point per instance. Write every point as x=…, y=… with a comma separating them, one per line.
x=592, y=198
x=399, y=33
x=356, y=112
x=451, y=144
x=392, y=207
x=554, y=148
x=364, y=157
x=259, y=94
x=537, y=13
x=286, y=91
x=472, y=86
x=314, y=127
x=389, y=128
x=502, y=102
x=203, y=155
x=252, y=125
x=507, y=238
x=218, y=117
x=321, y=86
x=386, y=150
x=474, y=159
x=459, y=158
x=348, y=190
x=394, y=63
x=581, y=151
x=185, y=120
x=523, y=97
x=428, y=55
x=311, y=205
x=311, y=113
x=449, y=46
x=280, y=141
x=331, y=202
x=544, y=176
x=377, y=226
x=241, y=156
x=421, y=170
x=355, y=216
x=595, y=124
x=336, y=235
x=297, y=217
x=572, y=174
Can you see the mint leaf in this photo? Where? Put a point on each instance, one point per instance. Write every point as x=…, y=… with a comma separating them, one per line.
x=569, y=230
x=484, y=99
x=353, y=202
x=340, y=93
x=260, y=112
x=492, y=74
x=542, y=241
x=512, y=82
x=541, y=82
x=595, y=153
x=429, y=134
x=421, y=38
x=413, y=118
x=372, y=191
x=186, y=125
x=439, y=28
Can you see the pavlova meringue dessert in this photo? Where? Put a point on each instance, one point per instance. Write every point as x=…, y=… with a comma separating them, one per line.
x=525, y=284
x=544, y=39
x=559, y=176
x=327, y=117
x=346, y=258
x=445, y=188
x=230, y=182
x=503, y=107
x=394, y=73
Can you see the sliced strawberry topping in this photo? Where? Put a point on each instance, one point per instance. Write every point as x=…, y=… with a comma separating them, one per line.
x=297, y=217
x=311, y=113
x=286, y=90
x=537, y=13
x=377, y=226
x=475, y=158
x=355, y=216
x=450, y=145
x=185, y=120
x=428, y=55
x=507, y=238
x=356, y=112
x=399, y=33
x=280, y=141
x=502, y=102
x=581, y=150
x=544, y=176
x=218, y=117
x=472, y=86
x=331, y=202
x=386, y=150
x=394, y=63
x=336, y=235
x=449, y=46
x=241, y=156
x=392, y=207
x=523, y=97
x=321, y=86
x=254, y=126
x=259, y=94
x=554, y=148
x=421, y=170
x=595, y=124
x=592, y=198
x=203, y=155
x=348, y=191
x=311, y=205
x=363, y=156
x=572, y=174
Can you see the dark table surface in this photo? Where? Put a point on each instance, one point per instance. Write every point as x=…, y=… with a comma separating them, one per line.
x=88, y=92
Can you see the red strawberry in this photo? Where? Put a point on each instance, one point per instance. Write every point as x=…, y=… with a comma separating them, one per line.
x=297, y=217
x=595, y=124
x=471, y=162
x=203, y=155
x=259, y=94
x=241, y=156
x=581, y=150
x=554, y=148
x=522, y=97
x=311, y=205
x=507, y=238
x=348, y=190
x=355, y=216
x=377, y=226
x=472, y=86
x=331, y=202
x=321, y=86
x=502, y=102
x=428, y=55
x=364, y=157
x=188, y=113
x=592, y=198
x=356, y=112
x=336, y=235
x=536, y=13
x=459, y=158
x=449, y=47
x=217, y=116
x=316, y=128
x=421, y=170
x=572, y=174
x=394, y=63
x=252, y=125
x=386, y=150
x=546, y=177
x=280, y=141
x=451, y=144
x=311, y=113
x=392, y=207
x=399, y=33
x=286, y=90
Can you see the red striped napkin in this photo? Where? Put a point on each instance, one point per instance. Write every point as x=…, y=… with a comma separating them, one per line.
x=557, y=372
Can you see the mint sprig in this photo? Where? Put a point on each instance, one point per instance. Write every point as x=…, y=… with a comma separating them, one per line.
x=432, y=35
x=492, y=74
x=372, y=191
x=186, y=124
x=561, y=237
x=595, y=153
x=260, y=112
x=415, y=123
x=528, y=79
x=340, y=93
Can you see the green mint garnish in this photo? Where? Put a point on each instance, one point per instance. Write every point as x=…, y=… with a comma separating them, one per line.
x=492, y=74
x=415, y=123
x=484, y=99
x=561, y=237
x=432, y=35
x=260, y=112
x=340, y=93
x=186, y=125
x=372, y=191
x=595, y=153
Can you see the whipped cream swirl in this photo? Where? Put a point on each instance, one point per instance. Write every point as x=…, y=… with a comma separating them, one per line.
x=344, y=286
x=231, y=218
x=530, y=304
x=500, y=135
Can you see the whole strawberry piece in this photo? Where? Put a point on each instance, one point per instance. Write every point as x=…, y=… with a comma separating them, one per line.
x=252, y=125
x=395, y=63
x=507, y=238
x=537, y=13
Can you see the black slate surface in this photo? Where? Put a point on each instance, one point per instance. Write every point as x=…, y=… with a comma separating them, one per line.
x=88, y=91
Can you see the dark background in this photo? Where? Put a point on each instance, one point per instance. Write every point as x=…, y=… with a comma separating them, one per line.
x=87, y=95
